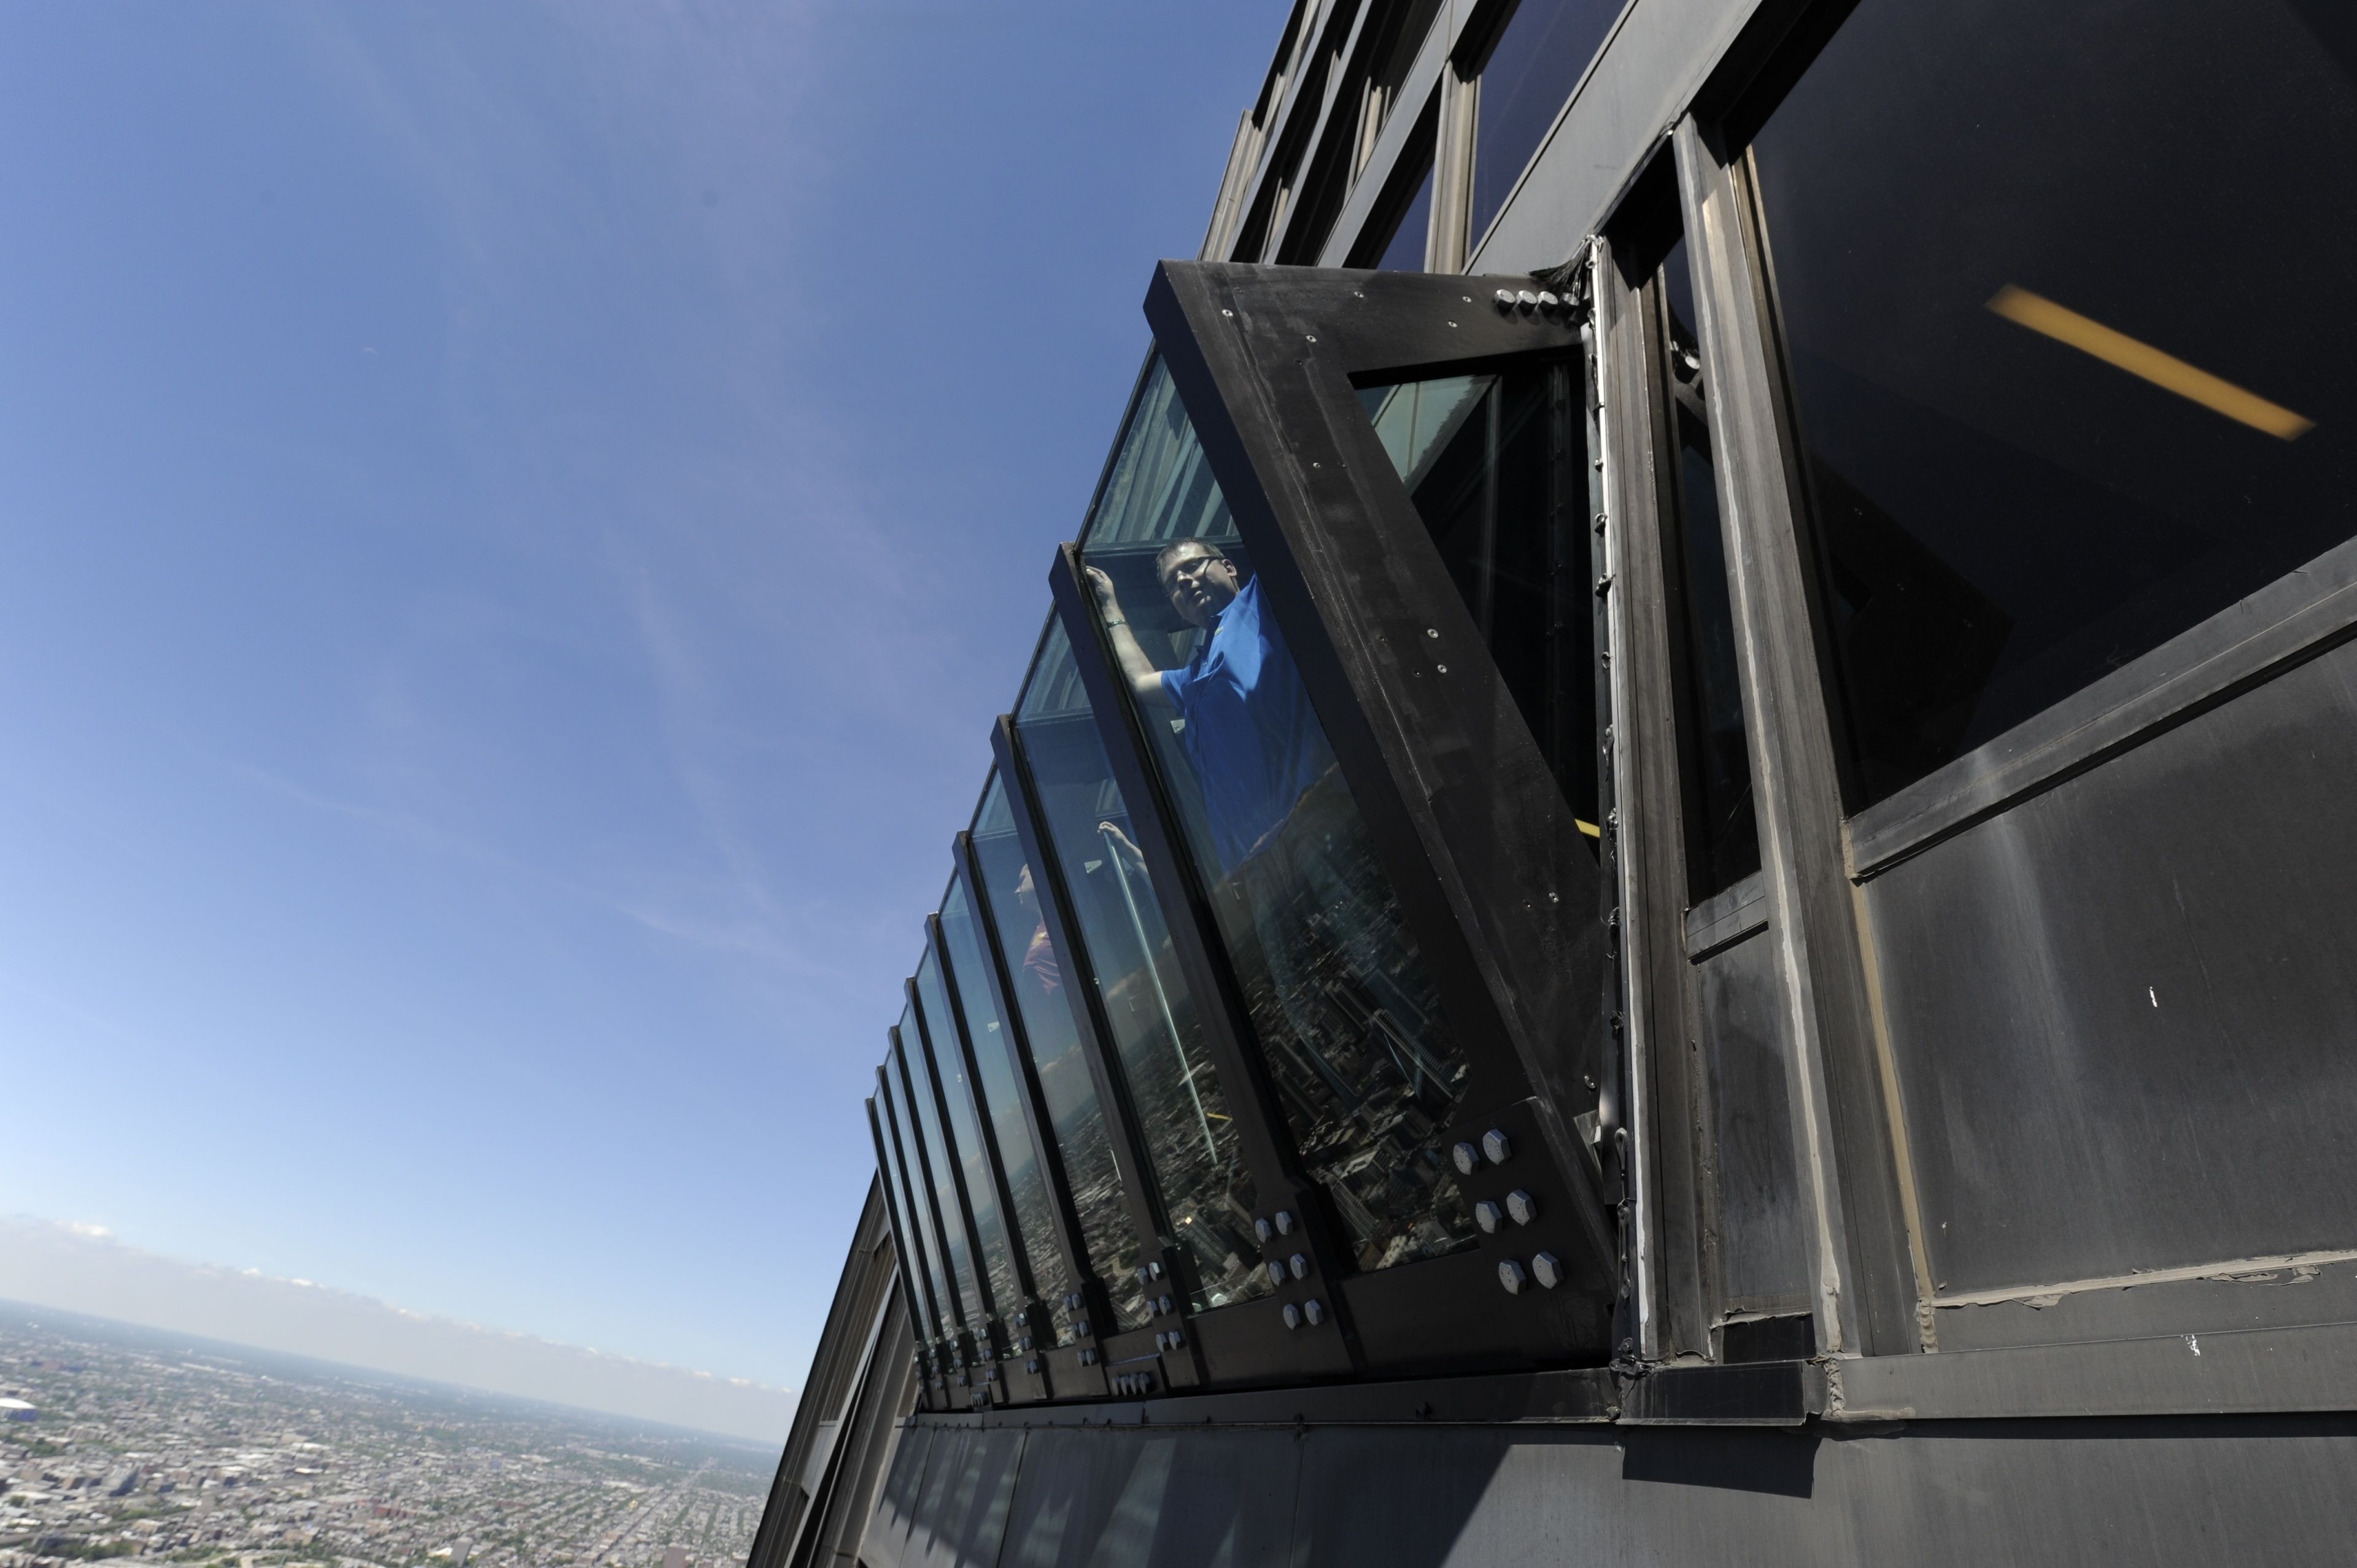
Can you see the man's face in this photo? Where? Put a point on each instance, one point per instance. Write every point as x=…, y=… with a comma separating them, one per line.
x=1201, y=582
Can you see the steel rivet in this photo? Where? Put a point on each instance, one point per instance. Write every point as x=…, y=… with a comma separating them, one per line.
x=1440, y=668
x=1313, y=340
x=1432, y=631
x=1227, y=313
x=1494, y=1144
x=1466, y=1157
x=1521, y=1206
x=1486, y=1215
x=1512, y=1275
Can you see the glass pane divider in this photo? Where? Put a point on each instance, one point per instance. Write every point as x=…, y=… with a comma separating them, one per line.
x=994, y=1160
x=891, y=1129
x=909, y=1284
x=932, y=1207
x=938, y=1082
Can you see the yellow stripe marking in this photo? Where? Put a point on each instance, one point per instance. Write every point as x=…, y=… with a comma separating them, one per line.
x=1590, y=829
x=2167, y=371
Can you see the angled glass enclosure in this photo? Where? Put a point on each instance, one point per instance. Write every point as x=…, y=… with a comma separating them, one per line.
x=1347, y=1018
x=1035, y=975
x=965, y=1131
x=1207, y=1192
x=904, y=1236
x=1001, y=1097
x=933, y=1163
x=898, y=1143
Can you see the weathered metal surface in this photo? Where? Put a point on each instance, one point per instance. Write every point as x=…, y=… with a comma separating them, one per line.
x=1143, y=1499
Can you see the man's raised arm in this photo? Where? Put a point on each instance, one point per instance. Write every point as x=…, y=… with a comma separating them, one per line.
x=1145, y=680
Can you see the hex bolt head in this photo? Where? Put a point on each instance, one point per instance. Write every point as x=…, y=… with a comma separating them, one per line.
x=1547, y=1269
x=1521, y=1207
x=1549, y=299
x=1466, y=1157
x=1488, y=1216
x=1314, y=1310
x=1169, y=1307
x=1276, y=1272
x=1513, y=1276
x=1177, y=1340
x=1527, y=300
x=1154, y=1270
x=1162, y=1342
x=1503, y=299
x=1262, y=1228
x=1299, y=1265
x=1292, y=1316
x=1496, y=1145
x=1285, y=1222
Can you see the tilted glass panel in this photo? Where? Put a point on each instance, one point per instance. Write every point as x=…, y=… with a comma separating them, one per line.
x=1001, y=1096
x=965, y=1131
x=956, y=1255
x=889, y=1178
x=900, y=1133
x=1538, y=58
x=1346, y=1015
x=1723, y=827
x=1074, y=1114
x=2064, y=291
x=1495, y=465
x=1206, y=1193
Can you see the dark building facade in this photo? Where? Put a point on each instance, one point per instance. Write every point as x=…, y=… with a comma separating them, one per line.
x=1669, y=885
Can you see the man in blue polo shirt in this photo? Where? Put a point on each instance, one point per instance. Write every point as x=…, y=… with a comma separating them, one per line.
x=1253, y=744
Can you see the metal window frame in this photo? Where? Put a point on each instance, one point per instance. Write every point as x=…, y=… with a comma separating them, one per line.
x=962, y=1348
x=989, y=1336
x=930, y=1340
x=1465, y=814
x=908, y=1283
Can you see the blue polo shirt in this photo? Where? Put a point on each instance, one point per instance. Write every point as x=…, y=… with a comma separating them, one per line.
x=1251, y=737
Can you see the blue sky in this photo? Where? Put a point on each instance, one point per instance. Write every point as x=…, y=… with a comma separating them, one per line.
x=514, y=519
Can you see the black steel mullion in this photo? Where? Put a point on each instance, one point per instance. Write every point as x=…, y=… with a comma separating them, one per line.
x=1064, y=1212
x=992, y=1158
x=1838, y=1071
x=1123, y=1132
x=932, y=1192
x=991, y=1308
x=892, y=1210
x=1194, y=936
x=932, y=1317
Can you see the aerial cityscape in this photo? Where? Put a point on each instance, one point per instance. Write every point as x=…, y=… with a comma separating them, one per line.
x=121, y=1443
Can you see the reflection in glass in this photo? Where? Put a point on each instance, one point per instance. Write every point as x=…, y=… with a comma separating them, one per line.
x=1405, y=252
x=956, y=1255
x=965, y=1131
x=1002, y=1098
x=1404, y=31
x=898, y=1136
x=1539, y=57
x=2005, y=510
x=888, y=1179
x=1036, y=974
x=1495, y=465
x=1723, y=830
x=1190, y=1138
x=1346, y=1015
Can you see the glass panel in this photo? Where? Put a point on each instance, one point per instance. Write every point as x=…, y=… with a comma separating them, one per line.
x=1723, y=832
x=1537, y=59
x=957, y=1257
x=898, y=1132
x=1494, y=463
x=1206, y=1193
x=1001, y=1098
x=889, y=1178
x=1346, y=1016
x=1405, y=250
x=965, y=1130
x=2064, y=289
x=1036, y=974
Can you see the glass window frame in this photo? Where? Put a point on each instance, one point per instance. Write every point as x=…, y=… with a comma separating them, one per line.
x=939, y=1311
x=989, y=1336
x=910, y=1284
x=921, y=1173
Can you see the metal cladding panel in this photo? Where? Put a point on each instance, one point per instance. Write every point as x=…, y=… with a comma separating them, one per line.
x=2122, y=1011
x=962, y=1504
x=1656, y=60
x=1142, y=1499
x=898, y=1505
x=1763, y=1235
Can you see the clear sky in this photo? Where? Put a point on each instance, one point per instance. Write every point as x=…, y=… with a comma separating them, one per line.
x=514, y=520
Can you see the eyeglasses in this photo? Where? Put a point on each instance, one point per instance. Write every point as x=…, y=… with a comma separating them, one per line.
x=1188, y=570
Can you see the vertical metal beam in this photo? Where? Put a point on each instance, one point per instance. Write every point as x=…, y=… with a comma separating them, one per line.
x=924, y=1172
x=1077, y=1266
x=929, y=1330
x=1446, y=241
x=892, y=1211
x=939, y=1085
x=1866, y=1291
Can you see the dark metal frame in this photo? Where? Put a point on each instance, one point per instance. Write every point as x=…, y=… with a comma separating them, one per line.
x=908, y=1283
x=989, y=1336
x=926, y=1327
x=962, y=1353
